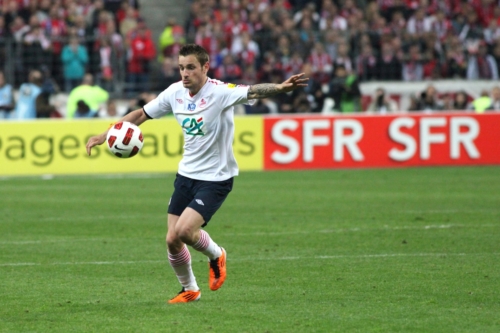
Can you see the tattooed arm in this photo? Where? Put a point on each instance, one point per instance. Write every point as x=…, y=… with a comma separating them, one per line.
x=263, y=90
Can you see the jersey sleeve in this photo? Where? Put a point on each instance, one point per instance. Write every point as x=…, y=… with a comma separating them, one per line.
x=233, y=94
x=159, y=106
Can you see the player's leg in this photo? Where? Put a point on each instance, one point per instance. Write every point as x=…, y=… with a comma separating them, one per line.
x=207, y=200
x=188, y=229
x=178, y=253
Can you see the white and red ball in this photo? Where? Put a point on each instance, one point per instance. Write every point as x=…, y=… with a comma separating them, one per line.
x=124, y=139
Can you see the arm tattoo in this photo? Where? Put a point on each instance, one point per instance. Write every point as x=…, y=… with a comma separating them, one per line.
x=263, y=90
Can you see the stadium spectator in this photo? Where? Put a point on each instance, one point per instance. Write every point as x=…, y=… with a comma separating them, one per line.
x=6, y=98
x=495, y=99
x=55, y=29
x=44, y=108
x=419, y=23
x=94, y=13
x=107, y=64
x=343, y=57
x=259, y=107
x=472, y=29
x=142, y=52
x=93, y=96
x=49, y=85
x=245, y=50
x=308, y=12
x=169, y=73
x=111, y=109
x=229, y=71
x=37, y=47
x=413, y=69
x=18, y=28
x=172, y=35
x=80, y=29
x=129, y=23
x=456, y=61
x=293, y=64
x=333, y=20
x=482, y=103
x=112, y=6
x=4, y=38
x=28, y=94
x=382, y=103
x=366, y=64
x=344, y=90
x=330, y=42
x=481, y=64
x=321, y=63
x=75, y=59
x=83, y=110
x=121, y=13
x=313, y=91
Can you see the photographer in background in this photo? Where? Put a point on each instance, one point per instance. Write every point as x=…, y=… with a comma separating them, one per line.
x=382, y=103
x=344, y=90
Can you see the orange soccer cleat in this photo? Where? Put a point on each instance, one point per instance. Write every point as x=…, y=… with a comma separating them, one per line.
x=217, y=271
x=185, y=296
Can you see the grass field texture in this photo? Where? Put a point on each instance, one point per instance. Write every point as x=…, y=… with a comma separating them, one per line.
x=387, y=250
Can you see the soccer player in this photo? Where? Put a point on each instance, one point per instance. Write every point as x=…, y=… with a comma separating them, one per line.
x=203, y=107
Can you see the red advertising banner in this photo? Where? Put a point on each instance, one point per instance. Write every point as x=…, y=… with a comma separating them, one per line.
x=381, y=141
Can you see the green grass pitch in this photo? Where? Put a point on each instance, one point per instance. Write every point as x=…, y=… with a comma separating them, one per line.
x=381, y=250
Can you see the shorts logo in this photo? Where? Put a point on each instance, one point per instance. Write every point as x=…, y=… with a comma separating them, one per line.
x=193, y=126
x=180, y=101
x=191, y=107
x=200, y=202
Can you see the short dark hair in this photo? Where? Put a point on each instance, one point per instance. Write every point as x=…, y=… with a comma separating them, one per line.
x=193, y=49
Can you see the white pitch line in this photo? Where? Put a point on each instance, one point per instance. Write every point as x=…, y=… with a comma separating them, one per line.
x=103, y=217
x=444, y=211
x=94, y=176
x=359, y=229
x=261, y=233
x=67, y=240
x=321, y=257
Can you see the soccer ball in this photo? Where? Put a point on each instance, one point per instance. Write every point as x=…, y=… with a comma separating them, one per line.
x=124, y=139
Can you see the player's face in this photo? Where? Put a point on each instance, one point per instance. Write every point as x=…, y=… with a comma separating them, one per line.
x=192, y=73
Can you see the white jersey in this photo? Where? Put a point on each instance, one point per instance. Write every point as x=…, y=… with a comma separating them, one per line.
x=207, y=121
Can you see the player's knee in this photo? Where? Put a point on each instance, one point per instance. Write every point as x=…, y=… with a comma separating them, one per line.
x=172, y=239
x=185, y=233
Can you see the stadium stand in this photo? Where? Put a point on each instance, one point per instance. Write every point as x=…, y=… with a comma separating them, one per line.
x=377, y=42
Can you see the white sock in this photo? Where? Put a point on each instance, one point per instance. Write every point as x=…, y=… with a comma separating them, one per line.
x=207, y=246
x=181, y=263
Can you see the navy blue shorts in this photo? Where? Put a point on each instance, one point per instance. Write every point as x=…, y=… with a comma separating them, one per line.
x=203, y=196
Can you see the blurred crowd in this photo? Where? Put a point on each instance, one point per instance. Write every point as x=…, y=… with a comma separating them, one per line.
x=61, y=45
x=341, y=43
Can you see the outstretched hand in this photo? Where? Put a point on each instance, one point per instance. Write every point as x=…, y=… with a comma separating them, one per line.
x=94, y=141
x=294, y=82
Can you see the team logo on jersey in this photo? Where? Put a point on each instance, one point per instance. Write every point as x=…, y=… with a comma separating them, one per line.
x=193, y=126
x=191, y=106
x=179, y=100
x=203, y=102
x=231, y=85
